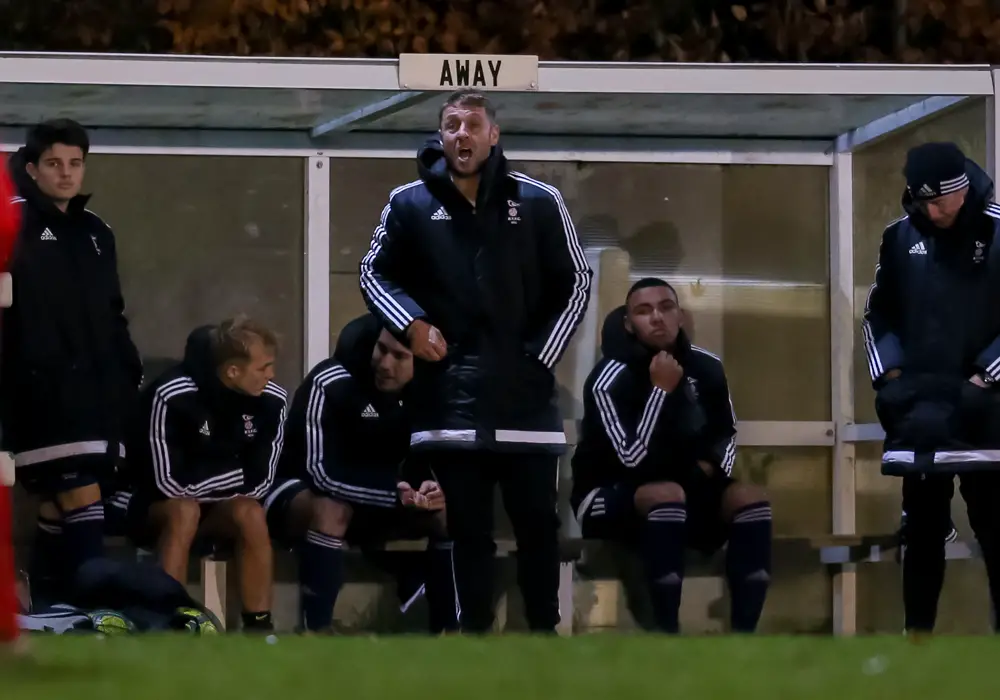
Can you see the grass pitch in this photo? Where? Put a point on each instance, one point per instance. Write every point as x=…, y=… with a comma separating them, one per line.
x=504, y=668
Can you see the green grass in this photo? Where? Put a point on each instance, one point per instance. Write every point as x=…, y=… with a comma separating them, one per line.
x=507, y=668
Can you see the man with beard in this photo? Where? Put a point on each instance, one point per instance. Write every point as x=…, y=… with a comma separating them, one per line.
x=478, y=268
x=654, y=464
x=932, y=336
x=342, y=477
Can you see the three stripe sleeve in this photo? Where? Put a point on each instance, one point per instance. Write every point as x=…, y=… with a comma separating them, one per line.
x=177, y=472
x=635, y=440
x=882, y=314
x=565, y=273
x=719, y=443
x=331, y=428
x=185, y=466
x=380, y=274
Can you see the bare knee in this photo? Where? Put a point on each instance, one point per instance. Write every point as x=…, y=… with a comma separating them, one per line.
x=250, y=521
x=78, y=498
x=178, y=518
x=300, y=514
x=48, y=510
x=331, y=517
x=739, y=496
x=649, y=495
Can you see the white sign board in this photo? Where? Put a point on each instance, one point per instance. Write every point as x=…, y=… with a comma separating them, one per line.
x=441, y=71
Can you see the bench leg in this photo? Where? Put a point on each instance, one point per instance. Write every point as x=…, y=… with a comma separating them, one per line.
x=845, y=601
x=213, y=588
x=565, y=627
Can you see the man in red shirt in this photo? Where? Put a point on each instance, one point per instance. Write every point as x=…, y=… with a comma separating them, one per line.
x=9, y=226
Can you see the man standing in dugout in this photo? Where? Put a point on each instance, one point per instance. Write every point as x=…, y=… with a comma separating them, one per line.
x=479, y=269
x=68, y=368
x=932, y=335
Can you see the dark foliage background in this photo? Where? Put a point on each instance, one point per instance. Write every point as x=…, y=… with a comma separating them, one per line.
x=932, y=31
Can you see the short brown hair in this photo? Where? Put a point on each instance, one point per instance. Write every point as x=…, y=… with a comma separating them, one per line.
x=467, y=97
x=232, y=339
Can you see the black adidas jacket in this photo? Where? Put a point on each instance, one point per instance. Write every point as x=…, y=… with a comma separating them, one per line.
x=634, y=433
x=69, y=371
x=340, y=423
x=195, y=438
x=506, y=282
x=932, y=313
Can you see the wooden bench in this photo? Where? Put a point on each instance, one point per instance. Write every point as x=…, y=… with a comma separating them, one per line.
x=840, y=550
x=216, y=584
x=594, y=558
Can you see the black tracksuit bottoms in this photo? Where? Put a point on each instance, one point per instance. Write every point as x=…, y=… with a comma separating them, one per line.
x=529, y=489
x=927, y=503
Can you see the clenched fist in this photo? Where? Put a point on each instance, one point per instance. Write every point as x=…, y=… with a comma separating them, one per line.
x=664, y=371
x=434, y=496
x=426, y=341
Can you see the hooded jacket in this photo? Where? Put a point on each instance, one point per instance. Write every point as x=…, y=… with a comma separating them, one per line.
x=342, y=430
x=634, y=433
x=69, y=371
x=195, y=438
x=932, y=314
x=505, y=281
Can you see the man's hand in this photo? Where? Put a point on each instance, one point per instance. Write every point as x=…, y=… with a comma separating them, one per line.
x=406, y=494
x=426, y=341
x=978, y=381
x=706, y=467
x=892, y=374
x=665, y=372
x=433, y=494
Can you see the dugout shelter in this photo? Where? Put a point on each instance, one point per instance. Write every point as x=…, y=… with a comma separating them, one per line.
x=759, y=191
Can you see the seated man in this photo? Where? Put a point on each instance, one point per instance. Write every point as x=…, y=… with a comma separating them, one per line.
x=340, y=474
x=202, y=453
x=655, y=458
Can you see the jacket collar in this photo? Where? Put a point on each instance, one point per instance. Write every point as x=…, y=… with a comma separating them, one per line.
x=433, y=169
x=618, y=344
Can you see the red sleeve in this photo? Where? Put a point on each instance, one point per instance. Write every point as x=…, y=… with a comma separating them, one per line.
x=10, y=216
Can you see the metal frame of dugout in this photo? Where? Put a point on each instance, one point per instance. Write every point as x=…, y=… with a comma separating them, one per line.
x=321, y=109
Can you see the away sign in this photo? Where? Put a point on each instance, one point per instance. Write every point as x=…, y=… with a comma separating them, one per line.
x=435, y=71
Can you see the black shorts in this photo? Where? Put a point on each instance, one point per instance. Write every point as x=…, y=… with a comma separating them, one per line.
x=277, y=509
x=370, y=525
x=609, y=513
x=44, y=476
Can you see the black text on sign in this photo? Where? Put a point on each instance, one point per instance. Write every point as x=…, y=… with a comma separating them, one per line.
x=451, y=71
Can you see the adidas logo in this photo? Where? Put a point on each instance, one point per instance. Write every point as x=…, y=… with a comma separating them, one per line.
x=47, y=235
x=369, y=412
x=918, y=249
x=926, y=191
x=441, y=215
x=205, y=431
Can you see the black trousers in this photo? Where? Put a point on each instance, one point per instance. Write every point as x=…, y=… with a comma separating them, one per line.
x=528, y=486
x=927, y=502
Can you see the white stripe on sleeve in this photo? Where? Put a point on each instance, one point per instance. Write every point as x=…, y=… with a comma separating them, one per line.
x=575, y=309
x=630, y=452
